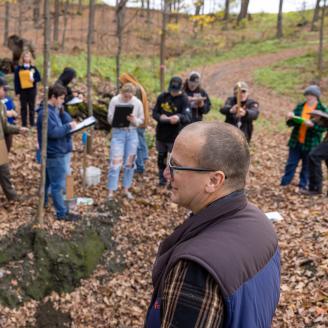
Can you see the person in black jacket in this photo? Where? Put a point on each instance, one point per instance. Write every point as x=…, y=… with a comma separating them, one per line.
x=172, y=112
x=26, y=77
x=65, y=78
x=197, y=96
x=244, y=116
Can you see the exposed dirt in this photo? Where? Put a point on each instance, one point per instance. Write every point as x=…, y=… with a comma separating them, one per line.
x=120, y=300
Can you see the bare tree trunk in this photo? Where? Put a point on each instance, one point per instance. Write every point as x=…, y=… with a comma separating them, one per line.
x=65, y=24
x=243, y=10
x=79, y=10
x=6, y=27
x=226, y=10
x=315, y=15
x=36, y=12
x=148, y=14
x=45, y=113
x=279, y=21
x=120, y=13
x=56, y=23
x=198, y=7
x=20, y=17
x=320, y=61
x=163, y=45
x=90, y=38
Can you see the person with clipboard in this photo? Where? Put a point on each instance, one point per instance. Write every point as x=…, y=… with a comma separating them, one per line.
x=125, y=114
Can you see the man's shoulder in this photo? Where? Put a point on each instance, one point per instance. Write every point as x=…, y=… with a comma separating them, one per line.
x=251, y=102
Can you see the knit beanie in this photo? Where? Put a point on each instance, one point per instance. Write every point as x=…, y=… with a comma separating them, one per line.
x=313, y=90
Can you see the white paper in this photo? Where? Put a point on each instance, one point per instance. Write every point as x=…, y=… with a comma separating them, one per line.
x=84, y=124
x=274, y=216
x=74, y=101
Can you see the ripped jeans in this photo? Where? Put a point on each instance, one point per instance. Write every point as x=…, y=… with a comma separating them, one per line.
x=123, y=151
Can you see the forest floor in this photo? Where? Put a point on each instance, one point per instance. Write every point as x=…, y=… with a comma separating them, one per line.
x=120, y=299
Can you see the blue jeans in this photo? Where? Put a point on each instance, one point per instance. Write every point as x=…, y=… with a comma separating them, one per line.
x=123, y=151
x=142, y=152
x=295, y=155
x=55, y=179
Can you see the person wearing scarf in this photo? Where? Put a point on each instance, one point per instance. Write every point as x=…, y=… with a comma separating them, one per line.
x=221, y=266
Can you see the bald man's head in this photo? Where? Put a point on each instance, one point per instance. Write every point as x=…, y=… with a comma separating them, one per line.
x=219, y=146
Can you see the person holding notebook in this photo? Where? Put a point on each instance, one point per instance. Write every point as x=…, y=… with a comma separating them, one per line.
x=26, y=78
x=124, y=143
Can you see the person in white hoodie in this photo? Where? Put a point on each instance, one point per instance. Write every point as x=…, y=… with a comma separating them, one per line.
x=124, y=143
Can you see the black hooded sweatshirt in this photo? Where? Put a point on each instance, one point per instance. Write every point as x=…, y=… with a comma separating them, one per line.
x=65, y=79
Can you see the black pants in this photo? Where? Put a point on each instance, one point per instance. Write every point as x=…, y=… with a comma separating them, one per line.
x=5, y=182
x=318, y=154
x=163, y=149
x=27, y=102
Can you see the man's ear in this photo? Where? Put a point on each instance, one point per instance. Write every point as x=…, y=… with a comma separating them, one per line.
x=215, y=181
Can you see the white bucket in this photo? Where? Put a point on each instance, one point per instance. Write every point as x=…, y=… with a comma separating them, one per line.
x=92, y=175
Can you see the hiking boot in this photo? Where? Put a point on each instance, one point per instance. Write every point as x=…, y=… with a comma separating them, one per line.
x=310, y=192
x=70, y=217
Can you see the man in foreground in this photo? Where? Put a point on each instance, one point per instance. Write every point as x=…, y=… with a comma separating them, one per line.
x=221, y=267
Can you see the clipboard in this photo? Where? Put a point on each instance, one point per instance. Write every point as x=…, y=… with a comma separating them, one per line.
x=84, y=124
x=25, y=79
x=120, y=116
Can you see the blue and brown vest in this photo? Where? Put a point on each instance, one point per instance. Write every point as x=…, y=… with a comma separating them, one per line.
x=234, y=241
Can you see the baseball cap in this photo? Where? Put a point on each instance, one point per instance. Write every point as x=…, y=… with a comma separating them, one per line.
x=193, y=76
x=241, y=85
x=175, y=84
x=3, y=82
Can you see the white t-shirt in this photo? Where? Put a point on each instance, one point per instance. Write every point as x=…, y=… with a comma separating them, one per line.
x=138, y=111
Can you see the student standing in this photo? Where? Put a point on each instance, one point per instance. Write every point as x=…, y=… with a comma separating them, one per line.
x=6, y=129
x=197, y=96
x=172, y=112
x=244, y=114
x=142, y=152
x=56, y=151
x=26, y=78
x=305, y=136
x=124, y=143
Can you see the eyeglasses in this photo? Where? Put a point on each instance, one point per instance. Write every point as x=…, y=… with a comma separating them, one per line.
x=173, y=168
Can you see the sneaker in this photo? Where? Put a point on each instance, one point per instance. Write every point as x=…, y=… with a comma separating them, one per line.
x=110, y=196
x=128, y=195
x=70, y=217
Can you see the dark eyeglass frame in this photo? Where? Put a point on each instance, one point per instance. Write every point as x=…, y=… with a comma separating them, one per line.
x=172, y=168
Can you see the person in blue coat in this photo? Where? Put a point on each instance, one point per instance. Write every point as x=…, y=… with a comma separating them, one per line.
x=56, y=151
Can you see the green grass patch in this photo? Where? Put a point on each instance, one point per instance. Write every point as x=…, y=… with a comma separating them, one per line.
x=214, y=113
x=289, y=77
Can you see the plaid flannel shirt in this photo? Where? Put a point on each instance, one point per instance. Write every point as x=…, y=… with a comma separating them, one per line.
x=313, y=135
x=191, y=298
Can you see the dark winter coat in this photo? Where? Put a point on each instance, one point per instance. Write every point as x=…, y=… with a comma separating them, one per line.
x=169, y=105
x=252, y=112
